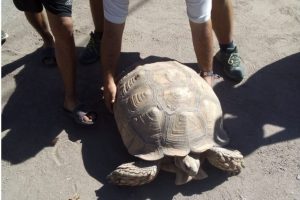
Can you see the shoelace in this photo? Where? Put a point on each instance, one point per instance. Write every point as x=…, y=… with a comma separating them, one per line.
x=234, y=60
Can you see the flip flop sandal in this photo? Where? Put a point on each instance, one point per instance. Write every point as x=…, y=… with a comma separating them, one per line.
x=48, y=56
x=78, y=114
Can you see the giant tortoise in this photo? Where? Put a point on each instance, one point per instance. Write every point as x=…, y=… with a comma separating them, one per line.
x=170, y=119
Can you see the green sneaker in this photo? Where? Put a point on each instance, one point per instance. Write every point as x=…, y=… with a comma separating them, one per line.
x=231, y=62
x=91, y=53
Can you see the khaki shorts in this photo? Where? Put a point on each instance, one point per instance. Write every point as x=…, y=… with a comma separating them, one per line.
x=116, y=11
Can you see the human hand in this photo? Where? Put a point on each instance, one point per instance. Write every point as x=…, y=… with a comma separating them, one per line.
x=209, y=80
x=109, y=94
x=208, y=76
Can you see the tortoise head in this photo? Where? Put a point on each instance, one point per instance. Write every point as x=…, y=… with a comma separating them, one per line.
x=188, y=164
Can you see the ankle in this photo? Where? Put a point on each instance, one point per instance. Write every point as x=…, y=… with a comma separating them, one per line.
x=227, y=47
x=70, y=102
x=48, y=40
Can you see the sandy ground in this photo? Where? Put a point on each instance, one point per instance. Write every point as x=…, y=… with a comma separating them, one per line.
x=262, y=114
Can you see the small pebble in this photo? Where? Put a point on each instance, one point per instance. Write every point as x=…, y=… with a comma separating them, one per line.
x=298, y=177
x=282, y=168
x=75, y=197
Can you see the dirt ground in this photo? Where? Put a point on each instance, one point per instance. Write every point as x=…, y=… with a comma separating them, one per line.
x=46, y=156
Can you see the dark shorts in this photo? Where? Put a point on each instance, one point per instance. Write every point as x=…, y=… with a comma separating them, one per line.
x=57, y=7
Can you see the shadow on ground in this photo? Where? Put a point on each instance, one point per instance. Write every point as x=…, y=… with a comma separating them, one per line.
x=32, y=118
x=265, y=109
x=32, y=114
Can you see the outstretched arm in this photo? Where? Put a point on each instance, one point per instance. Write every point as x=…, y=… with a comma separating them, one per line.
x=110, y=53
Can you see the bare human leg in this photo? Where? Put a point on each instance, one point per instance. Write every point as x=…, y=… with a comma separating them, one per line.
x=222, y=20
x=228, y=57
x=91, y=52
x=97, y=14
x=203, y=45
x=39, y=23
x=62, y=28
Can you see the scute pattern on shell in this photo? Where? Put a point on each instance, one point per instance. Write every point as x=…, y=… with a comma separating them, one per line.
x=166, y=108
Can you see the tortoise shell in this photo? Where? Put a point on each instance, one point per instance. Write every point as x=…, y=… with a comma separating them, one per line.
x=166, y=109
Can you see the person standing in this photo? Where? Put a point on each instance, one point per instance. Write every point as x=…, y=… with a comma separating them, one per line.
x=59, y=13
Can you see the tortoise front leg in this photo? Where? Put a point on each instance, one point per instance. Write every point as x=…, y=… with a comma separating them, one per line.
x=134, y=173
x=225, y=159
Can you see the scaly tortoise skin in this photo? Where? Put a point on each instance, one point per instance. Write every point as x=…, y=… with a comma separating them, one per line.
x=171, y=119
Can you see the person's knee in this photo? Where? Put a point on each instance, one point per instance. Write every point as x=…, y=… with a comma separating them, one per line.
x=31, y=15
x=199, y=11
x=62, y=28
x=220, y=4
x=201, y=30
x=115, y=11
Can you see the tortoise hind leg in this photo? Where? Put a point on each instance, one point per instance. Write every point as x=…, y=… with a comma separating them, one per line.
x=225, y=159
x=134, y=173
